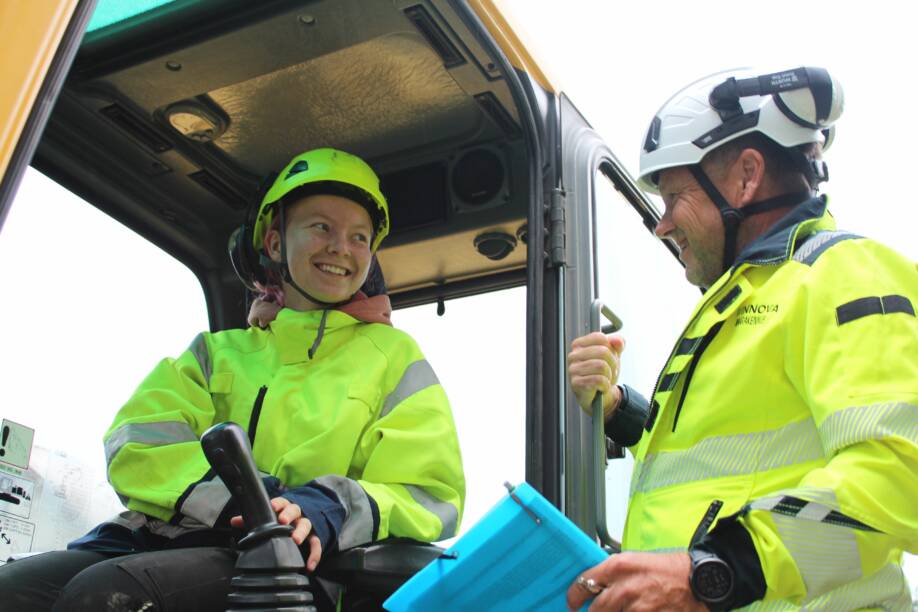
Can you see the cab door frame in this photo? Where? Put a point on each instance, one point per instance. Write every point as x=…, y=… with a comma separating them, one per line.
x=584, y=156
x=536, y=105
x=54, y=33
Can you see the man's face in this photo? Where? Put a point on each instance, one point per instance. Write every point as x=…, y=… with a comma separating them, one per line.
x=328, y=248
x=692, y=221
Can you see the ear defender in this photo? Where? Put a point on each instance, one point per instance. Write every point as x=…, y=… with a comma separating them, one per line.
x=247, y=264
x=245, y=261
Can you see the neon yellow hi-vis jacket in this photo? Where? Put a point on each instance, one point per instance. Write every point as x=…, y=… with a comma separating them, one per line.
x=365, y=418
x=792, y=397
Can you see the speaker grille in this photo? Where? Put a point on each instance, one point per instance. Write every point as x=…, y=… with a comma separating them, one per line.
x=477, y=177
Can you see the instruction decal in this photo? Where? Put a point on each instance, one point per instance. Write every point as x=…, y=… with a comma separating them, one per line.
x=15, y=537
x=15, y=443
x=16, y=494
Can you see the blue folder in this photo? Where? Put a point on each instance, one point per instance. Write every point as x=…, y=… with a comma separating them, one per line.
x=522, y=555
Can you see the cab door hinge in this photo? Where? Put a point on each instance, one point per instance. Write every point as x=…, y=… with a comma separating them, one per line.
x=556, y=228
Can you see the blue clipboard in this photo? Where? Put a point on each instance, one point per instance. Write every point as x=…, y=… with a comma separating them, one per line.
x=522, y=555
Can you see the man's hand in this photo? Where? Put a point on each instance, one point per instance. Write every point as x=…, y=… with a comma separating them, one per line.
x=593, y=365
x=289, y=513
x=639, y=581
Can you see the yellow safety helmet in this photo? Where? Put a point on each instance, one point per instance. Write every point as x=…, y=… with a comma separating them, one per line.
x=328, y=171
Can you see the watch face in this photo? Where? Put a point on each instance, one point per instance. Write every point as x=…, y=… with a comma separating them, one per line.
x=713, y=580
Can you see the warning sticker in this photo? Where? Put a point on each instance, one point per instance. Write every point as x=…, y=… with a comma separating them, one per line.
x=15, y=443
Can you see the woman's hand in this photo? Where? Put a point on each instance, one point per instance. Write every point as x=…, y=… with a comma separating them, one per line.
x=289, y=513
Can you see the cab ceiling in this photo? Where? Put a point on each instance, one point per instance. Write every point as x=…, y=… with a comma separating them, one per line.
x=363, y=98
x=285, y=77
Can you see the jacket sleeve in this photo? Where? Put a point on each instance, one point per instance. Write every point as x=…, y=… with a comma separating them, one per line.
x=152, y=449
x=852, y=354
x=626, y=426
x=407, y=478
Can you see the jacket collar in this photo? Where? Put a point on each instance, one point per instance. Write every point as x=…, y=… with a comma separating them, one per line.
x=777, y=244
x=295, y=332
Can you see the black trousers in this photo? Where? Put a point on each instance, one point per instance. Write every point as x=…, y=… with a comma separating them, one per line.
x=192, y=579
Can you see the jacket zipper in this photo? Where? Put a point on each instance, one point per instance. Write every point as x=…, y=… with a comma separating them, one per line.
x=256, y=412
x=708, y=337
x=733, y=270
x=682, y=335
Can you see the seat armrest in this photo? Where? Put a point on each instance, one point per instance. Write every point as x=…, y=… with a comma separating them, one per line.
x=381, y=567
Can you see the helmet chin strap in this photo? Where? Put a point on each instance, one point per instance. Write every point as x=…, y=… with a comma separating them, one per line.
x=285, y=268
x=732, y=217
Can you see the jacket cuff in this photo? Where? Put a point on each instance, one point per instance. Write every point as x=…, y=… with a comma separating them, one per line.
x=730, y=541
x=324, y=511
x=626, y=426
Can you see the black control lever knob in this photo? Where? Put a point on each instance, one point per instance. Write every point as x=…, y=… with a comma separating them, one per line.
x=270, y=564
x=226, y=447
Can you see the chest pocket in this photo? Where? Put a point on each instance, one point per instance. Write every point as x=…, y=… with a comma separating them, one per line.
x=367, y=394
x=221, y=383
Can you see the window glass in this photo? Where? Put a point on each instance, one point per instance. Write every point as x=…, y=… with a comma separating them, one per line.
x=478, y=350
x=88, y=308
x=108, y=12
x=641, y=281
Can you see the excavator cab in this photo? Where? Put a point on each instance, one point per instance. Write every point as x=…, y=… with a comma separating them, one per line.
x=167, y=114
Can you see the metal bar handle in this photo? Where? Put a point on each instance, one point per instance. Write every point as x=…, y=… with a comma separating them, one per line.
x=600, y=459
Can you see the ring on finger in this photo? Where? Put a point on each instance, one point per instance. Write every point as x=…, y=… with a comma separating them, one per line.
x=590, y=586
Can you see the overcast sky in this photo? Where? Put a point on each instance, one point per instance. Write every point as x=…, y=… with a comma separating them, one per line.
x=619, y=61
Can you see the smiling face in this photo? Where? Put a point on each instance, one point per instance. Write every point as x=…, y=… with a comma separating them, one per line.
x=328, y=249
x=692, y=221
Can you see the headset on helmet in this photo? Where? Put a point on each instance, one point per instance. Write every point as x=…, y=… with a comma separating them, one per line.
x=320, y=171
x=791, y=107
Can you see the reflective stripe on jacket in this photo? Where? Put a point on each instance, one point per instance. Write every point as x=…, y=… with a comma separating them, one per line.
x=792, y=396
x=365, y=418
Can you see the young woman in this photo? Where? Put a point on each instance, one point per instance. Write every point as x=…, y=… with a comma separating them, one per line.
x=348, y=423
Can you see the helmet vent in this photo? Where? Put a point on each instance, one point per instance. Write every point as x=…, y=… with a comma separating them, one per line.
x=722, y=131
x=653, y=135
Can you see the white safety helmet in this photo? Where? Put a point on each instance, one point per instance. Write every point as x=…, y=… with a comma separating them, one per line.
x=792, y=107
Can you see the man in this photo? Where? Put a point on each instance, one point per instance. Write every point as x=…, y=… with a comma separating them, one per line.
x=777, y=463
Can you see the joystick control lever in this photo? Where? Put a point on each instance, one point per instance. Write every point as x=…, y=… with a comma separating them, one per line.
x=271, y=566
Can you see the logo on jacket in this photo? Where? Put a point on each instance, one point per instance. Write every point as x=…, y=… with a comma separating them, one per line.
x=754, y=314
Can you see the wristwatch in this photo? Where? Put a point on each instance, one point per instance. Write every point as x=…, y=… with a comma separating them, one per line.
x=711, y=579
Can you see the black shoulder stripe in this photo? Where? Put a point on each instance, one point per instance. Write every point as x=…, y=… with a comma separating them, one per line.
x=818, y=243
x=897, y=303
x=728, y=299
x=867, y=306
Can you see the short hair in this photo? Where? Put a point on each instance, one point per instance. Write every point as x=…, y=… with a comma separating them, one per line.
x=781, y=167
